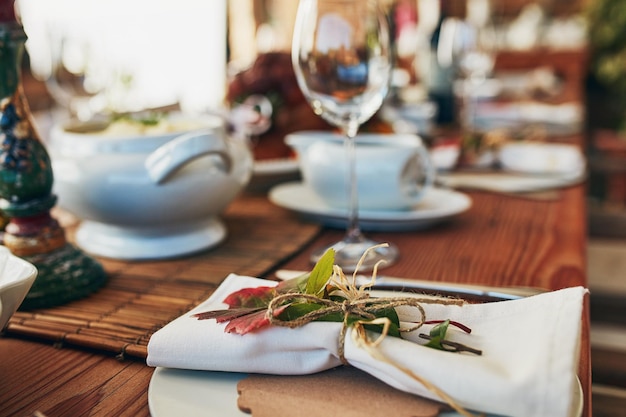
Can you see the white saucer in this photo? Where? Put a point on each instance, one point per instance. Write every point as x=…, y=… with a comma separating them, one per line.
x=509, y=181
x=275, y=166
x=155, y=242
x=436, y=206
x=180, y=392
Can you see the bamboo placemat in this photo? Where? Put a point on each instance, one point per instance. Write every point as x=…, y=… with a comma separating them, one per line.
x=141, y=297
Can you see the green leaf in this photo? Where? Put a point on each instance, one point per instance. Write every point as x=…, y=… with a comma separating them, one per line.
x=440, y=329
x=393, y=330
x=320, y=274
x=392, y=315
x=438, y=334
x=297, y=310
x=297, y=284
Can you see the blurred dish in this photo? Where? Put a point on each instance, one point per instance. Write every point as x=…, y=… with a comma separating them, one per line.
x=437, y=206
x=445, y=156
x=275, y=166
x=176, y=392
x=507, y=182
x=556, y=119
x=149, y=196
x=16, y=278
x=181, y=392
x=417, y=118
x=541, y=158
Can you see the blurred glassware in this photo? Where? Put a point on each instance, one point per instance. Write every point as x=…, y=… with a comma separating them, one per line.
x=342, y=60
x=440, y=70
x=72, y=78
x=258, y=27
x=128, y=56
x=473, y=45
x=407, y=108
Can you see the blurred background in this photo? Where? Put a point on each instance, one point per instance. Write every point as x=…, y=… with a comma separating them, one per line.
x=566, y=57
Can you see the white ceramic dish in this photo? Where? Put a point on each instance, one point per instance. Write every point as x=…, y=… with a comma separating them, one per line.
x=275, y=166
x=556, y=119
x=541, y=158
x=437, y=206
x=179, y=392
x=393, y=171
x=410, y=118
x=16, y=278
x=153, y=195
x=508, y=182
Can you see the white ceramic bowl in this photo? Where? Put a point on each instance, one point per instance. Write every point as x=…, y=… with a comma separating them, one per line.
x=16, y=278
x=542, y=158
x=393, y=171
x=149, y=195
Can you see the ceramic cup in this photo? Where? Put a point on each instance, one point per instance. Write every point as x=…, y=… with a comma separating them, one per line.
x=394, y=171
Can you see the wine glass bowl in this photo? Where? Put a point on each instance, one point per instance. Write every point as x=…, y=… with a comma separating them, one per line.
x=73, y=79
x=342, y=61
x=475, y=50
x=344, y=78
x=473, y=45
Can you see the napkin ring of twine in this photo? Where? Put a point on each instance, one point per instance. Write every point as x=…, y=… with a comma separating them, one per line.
x=358, y=303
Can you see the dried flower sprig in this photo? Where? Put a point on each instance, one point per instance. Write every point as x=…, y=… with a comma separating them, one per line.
x=326, y=294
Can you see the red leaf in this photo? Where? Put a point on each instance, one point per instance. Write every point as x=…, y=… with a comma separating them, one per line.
x=250, y=322
x=251, y=297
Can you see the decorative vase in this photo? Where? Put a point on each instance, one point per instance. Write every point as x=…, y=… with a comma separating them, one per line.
x=26, y=179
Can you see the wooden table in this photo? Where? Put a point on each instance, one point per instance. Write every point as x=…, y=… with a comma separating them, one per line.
x=501, y=240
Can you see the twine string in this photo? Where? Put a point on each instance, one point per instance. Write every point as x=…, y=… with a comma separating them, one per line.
x=358, y=305
x=362, y=340
x=363, y=309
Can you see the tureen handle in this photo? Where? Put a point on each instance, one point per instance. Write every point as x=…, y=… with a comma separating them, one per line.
x=164, y=161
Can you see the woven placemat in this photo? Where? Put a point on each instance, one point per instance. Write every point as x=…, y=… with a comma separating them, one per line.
x=141, y=297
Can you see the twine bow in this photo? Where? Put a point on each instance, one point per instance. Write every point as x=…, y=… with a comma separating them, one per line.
x=362, y=310
x=359, y=310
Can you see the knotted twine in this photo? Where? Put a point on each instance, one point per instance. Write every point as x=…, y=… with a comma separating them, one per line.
x=358, y=303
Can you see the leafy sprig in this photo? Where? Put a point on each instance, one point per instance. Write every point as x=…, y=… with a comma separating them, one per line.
x=309, y=295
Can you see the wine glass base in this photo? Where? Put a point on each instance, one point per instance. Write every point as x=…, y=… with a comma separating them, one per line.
x=348, y=255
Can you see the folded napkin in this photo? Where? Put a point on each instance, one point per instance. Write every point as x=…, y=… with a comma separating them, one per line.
x=528, y=366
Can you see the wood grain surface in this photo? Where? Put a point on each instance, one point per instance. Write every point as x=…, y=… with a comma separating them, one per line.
x=501, y=240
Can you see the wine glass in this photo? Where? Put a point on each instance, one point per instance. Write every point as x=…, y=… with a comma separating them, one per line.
x=75, y=74
x=473, y=49
x=342, y=60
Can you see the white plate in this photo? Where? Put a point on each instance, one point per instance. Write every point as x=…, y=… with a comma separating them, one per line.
x=180, y=392
x=436, y=206
x=509, y=182
x=275, y=166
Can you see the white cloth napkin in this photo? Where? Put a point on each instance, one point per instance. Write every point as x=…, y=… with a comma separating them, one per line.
x=528, y=366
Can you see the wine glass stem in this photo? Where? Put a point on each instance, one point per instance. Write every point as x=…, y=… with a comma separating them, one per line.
x=353, y=233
